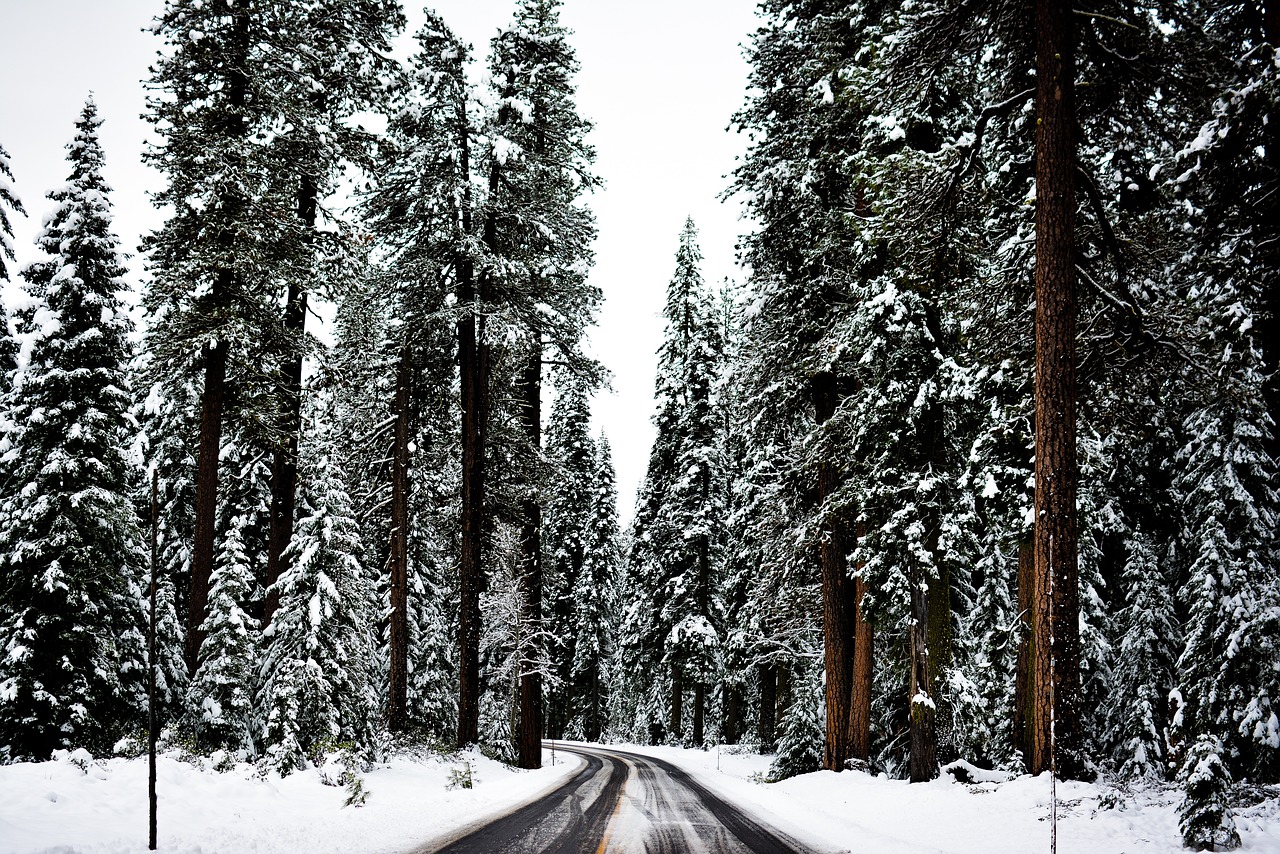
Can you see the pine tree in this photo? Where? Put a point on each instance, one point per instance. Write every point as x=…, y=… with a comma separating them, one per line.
x=800, y=744
x=1204, y=816
x=1137, y=707
x=9, y=202
x=220, y=696
x=595, y=600
x=71, y=603
x=317, y=671
x=8, y=199
x=570, y=507
x=679, y=516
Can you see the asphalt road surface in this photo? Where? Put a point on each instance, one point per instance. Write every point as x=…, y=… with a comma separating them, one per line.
x=624, y=803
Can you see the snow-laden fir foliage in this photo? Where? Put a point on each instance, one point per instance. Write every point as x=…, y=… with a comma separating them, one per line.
x=595, y=599
x=566, y=522
x=220, y=696
x=317, y=669
x=1205, y=816
x=1137, y=702
x=72, y=650
x=671, y=617
x=800, y=740
x=9, y=204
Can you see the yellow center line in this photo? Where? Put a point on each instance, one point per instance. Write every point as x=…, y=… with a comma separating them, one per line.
x=608, y=828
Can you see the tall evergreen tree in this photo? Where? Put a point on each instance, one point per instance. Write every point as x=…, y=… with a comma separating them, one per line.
x=317, y=675
x=595, y=599
x=70, y=598
x=675, y=558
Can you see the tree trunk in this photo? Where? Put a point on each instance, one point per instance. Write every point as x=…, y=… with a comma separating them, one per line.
x=1024, y=678
x=677, y=704
x=768, y=707
x=699, y=710
x=206, y=509
x=284, y=462
x=863, y=673
x=1056, y=719
x=837, y=601
x=398, y=558
x=529, y=737
x=473, y=364
x=731, y=703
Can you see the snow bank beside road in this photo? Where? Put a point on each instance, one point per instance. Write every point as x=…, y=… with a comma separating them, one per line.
x=853, y=811
x=57, y=807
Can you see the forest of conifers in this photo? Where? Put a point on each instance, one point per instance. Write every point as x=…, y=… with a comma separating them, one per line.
x=978, y=461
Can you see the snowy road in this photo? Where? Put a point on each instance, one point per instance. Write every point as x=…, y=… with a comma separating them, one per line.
x=623, y=803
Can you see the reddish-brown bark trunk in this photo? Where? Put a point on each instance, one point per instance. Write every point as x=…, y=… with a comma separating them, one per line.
x=1056, y=662
x=837, y=601
x=473, y=364
x=863, y=672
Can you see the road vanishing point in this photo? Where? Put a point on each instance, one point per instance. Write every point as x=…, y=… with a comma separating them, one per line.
x=622, y=803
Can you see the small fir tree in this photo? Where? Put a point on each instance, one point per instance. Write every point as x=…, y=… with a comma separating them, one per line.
x=220, y=697
x=800, y=744
x=1204, y=816
x=317, y=671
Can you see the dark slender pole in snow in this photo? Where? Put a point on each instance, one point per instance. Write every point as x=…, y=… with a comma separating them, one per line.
x=151, y=666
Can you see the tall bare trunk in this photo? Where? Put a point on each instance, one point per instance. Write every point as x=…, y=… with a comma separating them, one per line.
x=529, y=737
x=837, y=600
x=922, y=702
x=863, y=673
x=284, y=462
x=677, y=703
x=699, y=711
x=206, y=509
x=473, y=364
x=731, y=703
x=398, y=557
x=768, y=706
x=1056, y=712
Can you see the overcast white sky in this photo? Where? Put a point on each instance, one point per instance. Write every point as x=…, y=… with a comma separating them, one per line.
x=660, y=79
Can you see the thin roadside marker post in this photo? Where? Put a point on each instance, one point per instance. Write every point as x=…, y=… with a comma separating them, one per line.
x=151, y=666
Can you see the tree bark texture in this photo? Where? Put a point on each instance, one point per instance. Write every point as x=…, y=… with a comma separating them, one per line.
x=398, y=554
x=837, y=601
x=1056, y=662
x=731, y=703
x=677, y=704
x=768, y=707
x=863, y=673
x=206, y=509
x=473, y=361
x=284, y=461
x=529, y=737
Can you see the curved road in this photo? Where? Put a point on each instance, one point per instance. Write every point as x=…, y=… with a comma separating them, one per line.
x=623, y=803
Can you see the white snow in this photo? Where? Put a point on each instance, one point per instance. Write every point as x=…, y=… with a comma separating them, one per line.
x=75, y=805
x=855, y=811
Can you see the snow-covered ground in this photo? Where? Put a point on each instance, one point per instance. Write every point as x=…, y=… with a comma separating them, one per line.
x=70, y=807
x=857, y=812
x=58, y=807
